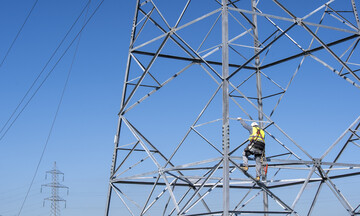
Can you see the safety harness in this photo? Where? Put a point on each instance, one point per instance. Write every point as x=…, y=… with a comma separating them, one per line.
x=257, y=140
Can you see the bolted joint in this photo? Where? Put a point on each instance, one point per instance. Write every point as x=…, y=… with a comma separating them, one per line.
x=317, y=162
x=161, y=170
x=299, y=21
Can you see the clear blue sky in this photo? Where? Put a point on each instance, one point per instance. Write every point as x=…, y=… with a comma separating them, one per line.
x=318, y=107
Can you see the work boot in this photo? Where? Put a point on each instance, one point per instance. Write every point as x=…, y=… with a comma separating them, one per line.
x=245, y=168
x=257, y=178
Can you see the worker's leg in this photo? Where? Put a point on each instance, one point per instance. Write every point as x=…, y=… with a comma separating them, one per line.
x=245, y=156
x=258, y=164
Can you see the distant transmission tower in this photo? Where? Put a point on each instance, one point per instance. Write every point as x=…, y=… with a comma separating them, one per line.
x=55, y=199
x=193, y=67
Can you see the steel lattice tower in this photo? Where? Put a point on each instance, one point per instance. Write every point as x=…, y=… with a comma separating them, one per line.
x=224, y=53
x=55, y=199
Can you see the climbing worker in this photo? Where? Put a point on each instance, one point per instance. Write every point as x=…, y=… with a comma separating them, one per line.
x=256, y=146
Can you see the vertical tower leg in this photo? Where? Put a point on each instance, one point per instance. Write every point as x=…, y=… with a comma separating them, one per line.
x=258, y=84
x=225, y=106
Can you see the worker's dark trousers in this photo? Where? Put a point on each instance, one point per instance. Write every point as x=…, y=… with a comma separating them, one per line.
x=257, y=153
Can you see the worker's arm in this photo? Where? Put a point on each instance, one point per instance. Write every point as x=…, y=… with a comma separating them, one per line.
x=246, y=126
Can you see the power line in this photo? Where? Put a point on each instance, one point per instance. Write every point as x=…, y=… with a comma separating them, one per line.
x=18, y=33
x=8, y=128
x=41, y=72
x=58, y=107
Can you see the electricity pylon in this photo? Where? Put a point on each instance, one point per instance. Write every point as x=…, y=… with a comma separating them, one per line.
x=224, y=59
x=55, y=199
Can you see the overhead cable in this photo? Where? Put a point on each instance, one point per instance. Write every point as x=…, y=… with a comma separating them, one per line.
x=55, y=117
x=18, y=33
x=46, y=77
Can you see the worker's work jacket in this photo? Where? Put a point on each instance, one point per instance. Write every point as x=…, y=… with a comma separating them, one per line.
x=257, y=138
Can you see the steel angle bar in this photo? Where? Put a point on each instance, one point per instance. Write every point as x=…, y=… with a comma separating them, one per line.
x=129, y=149
x=315, y=198
x=127, y=197
x=337, y=192
x=240, y=35
x=335, y=71
x=193, y=59
x=134, y=132
x=317, y=9
x=193, y=164
x=182, y=178
x=353, y=45
x=341, y=164
x=162, y=17
x=342, y=168
x=355, y=209
x=206, y=140
x=122, y=200
x=288, y=167
x=356, y=14
x=209, y=213
x=147, y=86
x=147, y=16
x=355, y=134
x=358, y=145
x=212, y=51
x=272, y=95
x=215, y=168
x=170, y=192
x=258, y=53
x=242, y=14
x=340, y=138
x=196, y=20
x=166, y=206
x=242, y=56
x=330, y=51
x=262, y=212
x=278, y=155
x=144, y=210
x=341, y=18
x=207, y=35
x=155, y=90
x=209, y=122
x=307, y=52
x=182, y=13
x=303, y=187
x=132, y=166
x=143, y=68
x=210, y=48
x=245, y=46
x=245, y=80
x=272, y=81
x=240, y=107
